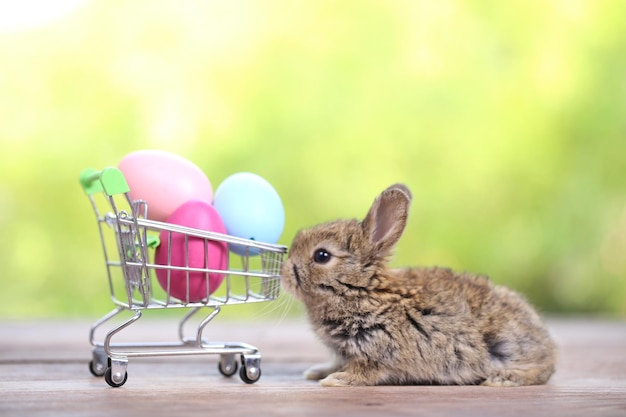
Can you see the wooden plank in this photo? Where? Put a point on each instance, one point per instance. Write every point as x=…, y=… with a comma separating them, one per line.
x=43, y=371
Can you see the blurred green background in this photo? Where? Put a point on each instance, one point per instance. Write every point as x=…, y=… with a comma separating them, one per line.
x=506, y=119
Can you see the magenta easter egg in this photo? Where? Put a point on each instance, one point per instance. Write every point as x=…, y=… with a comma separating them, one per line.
x=164, y=180
x=194, y=252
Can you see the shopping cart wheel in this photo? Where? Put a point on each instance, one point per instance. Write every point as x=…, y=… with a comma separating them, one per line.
x=227, y=365
x=99, y=360
x=108, y=377
x=250, y=370
x=96, y=368
x=249, y=376
x=116, y=374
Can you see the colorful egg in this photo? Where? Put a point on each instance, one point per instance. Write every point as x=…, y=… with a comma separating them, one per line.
x=251, y=209
x=164, y=180
x=192, y=252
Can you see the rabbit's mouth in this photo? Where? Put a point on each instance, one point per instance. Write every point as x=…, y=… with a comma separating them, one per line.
x=296, y=276
x=292, y=279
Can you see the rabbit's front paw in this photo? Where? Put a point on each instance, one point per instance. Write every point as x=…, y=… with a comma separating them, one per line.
x=346, y=379
x=499, y=382
x=339, y=379
x=321, y=371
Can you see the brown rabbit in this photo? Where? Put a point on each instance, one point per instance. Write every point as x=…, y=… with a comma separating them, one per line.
x=413, y=325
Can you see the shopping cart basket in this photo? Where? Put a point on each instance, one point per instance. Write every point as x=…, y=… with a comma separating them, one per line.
x=128, y=239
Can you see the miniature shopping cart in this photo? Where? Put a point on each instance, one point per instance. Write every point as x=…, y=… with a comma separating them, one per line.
x=129, y=240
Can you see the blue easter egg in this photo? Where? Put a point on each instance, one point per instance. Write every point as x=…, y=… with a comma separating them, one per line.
x=251, y=209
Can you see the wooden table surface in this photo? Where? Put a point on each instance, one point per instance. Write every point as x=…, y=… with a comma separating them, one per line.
x=44, y=371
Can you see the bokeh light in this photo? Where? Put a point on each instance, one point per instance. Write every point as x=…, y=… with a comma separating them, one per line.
x=507, y=121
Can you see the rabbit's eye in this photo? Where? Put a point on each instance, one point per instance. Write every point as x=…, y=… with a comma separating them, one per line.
x=321, y=256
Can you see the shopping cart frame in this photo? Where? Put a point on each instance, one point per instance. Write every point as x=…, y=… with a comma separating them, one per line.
x=127, y=238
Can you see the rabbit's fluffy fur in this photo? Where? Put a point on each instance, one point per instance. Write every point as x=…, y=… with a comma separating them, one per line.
x=413, y=325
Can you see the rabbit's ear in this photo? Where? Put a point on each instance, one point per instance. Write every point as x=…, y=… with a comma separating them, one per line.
x=387, y=218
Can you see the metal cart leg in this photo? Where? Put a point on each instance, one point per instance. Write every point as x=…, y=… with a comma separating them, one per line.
x=104, y=319
x=98, y=364
x=111, y=333
x=116, y=374
x=203, y=324
x=198, y=337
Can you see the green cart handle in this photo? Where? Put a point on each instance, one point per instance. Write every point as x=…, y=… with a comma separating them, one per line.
x=110, y=180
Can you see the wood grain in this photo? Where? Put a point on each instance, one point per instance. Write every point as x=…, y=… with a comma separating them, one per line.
x=44, y=371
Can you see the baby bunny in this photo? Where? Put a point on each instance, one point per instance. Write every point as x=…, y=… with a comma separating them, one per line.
x=411, y=325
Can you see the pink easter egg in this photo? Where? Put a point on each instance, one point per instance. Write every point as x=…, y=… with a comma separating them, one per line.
x=164, y=180
x=200, y=215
